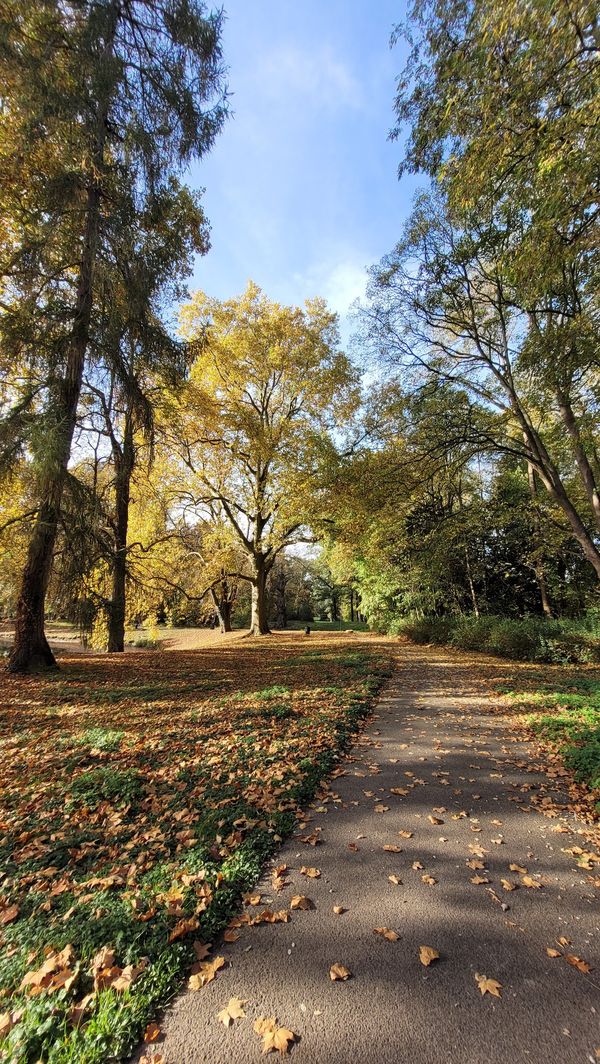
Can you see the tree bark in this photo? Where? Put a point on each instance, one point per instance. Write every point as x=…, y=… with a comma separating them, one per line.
x=224, y=606
x=31, y=649
x=539, y=567
x=259, y=624
x=583, y=464
x=124, y=462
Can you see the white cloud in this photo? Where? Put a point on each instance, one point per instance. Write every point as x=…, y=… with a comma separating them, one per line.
x=319, y=76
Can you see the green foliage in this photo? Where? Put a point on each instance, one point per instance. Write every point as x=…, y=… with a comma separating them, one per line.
x=527, y=639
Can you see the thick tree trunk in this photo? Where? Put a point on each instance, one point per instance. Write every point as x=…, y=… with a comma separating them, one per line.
x=259, y=624
x=31, y=649
x=124, y=461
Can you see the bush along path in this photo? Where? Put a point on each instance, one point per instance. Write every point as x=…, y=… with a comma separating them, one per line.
x=139, y=799
x=437, y=902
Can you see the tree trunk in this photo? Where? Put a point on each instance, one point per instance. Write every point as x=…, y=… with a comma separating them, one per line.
x=124, y=461
x=259, y=624
x=31, y=649
x=538, y=567
x=583, y=464
x=471, y=585
x=224, y=606
x=553, y=484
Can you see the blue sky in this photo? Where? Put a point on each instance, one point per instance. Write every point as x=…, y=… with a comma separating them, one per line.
x=301, y=186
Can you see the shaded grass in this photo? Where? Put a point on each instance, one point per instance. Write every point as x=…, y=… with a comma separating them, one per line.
x=125, y=778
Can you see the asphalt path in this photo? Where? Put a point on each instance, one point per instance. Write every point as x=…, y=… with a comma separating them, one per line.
x=470, y=791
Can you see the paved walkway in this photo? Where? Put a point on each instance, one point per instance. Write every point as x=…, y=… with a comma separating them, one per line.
x=438, y=765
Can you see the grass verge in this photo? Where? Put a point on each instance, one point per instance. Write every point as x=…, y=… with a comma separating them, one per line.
x=139, y=801
x=565, y=716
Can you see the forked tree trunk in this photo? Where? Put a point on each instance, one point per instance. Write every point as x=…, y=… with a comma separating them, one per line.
x=259, y=624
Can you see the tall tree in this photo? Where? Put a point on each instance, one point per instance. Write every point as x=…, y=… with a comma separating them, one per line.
x=253, y=423
x=127, y=92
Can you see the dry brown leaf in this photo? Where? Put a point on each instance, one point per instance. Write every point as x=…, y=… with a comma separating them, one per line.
x=406, y=834
x=8, y=915
x=507, y=885
x=488, y=986
x=233, y=1011
x=312, y=873
x=231, y=936
x=339, y=972
x=300, y=902
x=395, y=880
x=517, y=868
x=391, y=848
x=206, y=973
x=553, y=952
x=152, y=1032
x=434, y=819
x=339, y=910
x=429, y=880
x=479, y=879
x=385, y=932
x=528, y=881
x=274, y=1038
x=578, y=963
x=427, y=954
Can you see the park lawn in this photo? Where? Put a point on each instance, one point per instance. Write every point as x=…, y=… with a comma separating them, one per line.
x=563, y=710
x=139, y=798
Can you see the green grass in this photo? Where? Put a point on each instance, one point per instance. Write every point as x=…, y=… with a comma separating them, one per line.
x=105, y=767
x=566, y=717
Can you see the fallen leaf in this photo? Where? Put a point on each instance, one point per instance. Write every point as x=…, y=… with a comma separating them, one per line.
x=479, y=879
x=385, y=932
x=391, y=848
x=9, y=914
x=507, y=885
x=578, y=963
x=406, y=834
x=429, y=880
x=274, y=1038
x=300, y=902
x=427, y=954
x=434, y=819
x=339, y=972
x=553, y=952
x=207, y=972
x=528, y=881
x=395, y=880
x=232, y=1011
x=517, y=868
x=312, y=873
x=152, y=1032
x=339, y=910
x=488, y=986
